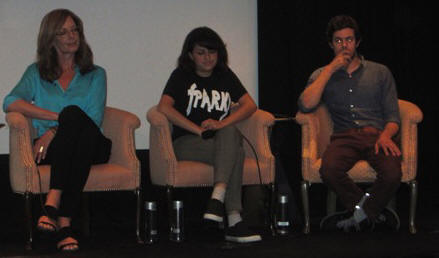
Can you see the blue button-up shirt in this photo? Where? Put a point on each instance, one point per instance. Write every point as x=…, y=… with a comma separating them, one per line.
x=367, y=97
x=88, y=91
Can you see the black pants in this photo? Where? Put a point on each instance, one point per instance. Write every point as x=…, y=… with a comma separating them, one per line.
x=77, y=145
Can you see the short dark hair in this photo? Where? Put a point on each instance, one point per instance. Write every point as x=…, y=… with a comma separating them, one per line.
x=204, y=37
x=341, y=22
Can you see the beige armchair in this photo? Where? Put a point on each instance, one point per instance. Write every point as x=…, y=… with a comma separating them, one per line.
x=121, y=173
x=166, y=171
x=316, y=131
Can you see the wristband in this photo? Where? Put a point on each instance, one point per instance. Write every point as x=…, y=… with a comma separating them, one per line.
x=53, y=129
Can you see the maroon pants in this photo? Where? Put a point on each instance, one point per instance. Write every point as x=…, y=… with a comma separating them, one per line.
x=344, y=150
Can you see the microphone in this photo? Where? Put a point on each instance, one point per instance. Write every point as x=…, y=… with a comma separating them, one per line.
x=208, y=134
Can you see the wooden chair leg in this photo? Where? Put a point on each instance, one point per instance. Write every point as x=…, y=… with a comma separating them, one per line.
x=272, y=206
x=28, y=209
x=169, y=203
x=305, y=202
x=138, y=193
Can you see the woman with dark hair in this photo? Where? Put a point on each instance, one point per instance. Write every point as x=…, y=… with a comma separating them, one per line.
x=197, y=100
x=64, y=93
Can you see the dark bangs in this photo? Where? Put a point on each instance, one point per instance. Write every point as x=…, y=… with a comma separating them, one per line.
x=204, y=37
x=211, y=45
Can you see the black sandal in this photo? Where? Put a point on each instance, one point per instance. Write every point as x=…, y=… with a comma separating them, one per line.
x=64, y=233
x=51, y=213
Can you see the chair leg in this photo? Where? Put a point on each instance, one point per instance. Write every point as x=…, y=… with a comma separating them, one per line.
x=138, y=193
x=331, y=202
x=305, y=202
x=28, y=209
x=272, y=204
x=413, y=202
x=169, y=203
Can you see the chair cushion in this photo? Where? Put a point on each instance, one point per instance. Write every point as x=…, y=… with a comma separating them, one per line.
x=198, y=174
x=361, y=171
x=103, y=177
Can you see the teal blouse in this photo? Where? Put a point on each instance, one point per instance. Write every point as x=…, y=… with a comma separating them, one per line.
x=87, y=91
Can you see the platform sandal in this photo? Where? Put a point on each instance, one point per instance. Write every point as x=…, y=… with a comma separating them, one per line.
x=49, y=226
x=64, y=233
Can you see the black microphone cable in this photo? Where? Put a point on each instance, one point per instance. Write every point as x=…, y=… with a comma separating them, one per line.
x=207, y=134
x=256, y=156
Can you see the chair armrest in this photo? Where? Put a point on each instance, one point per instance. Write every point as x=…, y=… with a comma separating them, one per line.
x=309, y=128
x=21, y=160
x=319, y=126
x=161, y=150
x=256, y=129
x=308, y=123
x=119, y=126
x=411, y=115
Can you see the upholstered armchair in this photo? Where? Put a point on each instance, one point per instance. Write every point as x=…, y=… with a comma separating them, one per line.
x=166, y=171
x=121, y=173
x=316, y=131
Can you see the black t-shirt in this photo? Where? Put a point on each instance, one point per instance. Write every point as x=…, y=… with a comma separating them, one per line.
x=200, y=98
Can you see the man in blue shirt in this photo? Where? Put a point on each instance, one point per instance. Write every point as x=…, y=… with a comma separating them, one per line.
x=362, y=100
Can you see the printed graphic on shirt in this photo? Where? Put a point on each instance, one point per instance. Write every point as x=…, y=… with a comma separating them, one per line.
x=200, y=99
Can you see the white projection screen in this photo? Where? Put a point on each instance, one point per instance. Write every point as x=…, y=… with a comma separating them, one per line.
x=136, y=41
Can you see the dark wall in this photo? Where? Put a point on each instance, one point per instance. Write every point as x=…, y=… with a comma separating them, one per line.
x=398, y=34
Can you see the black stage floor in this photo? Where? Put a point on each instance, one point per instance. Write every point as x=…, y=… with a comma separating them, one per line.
x=113, y=234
